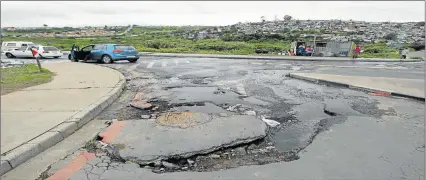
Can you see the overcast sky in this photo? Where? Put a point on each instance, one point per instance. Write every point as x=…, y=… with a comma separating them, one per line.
x=99, y=13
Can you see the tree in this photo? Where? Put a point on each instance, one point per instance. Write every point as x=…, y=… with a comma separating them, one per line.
x=262, y=18
x=45, y=25
x=287, y=17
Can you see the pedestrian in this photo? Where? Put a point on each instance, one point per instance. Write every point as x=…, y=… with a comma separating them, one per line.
x=308, y=51
x=357, y=50
x=34, y=51
x=300, y=50
x=404, y=54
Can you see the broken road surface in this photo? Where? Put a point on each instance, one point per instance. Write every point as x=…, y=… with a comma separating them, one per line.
x=205, y=122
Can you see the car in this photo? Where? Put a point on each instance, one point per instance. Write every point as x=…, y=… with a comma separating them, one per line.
x=25, y=51
x=104, y=53
x=13, y=45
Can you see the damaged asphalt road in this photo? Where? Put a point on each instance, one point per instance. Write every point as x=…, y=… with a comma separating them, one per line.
x=200, y=118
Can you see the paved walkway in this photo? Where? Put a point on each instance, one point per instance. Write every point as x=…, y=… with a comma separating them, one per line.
x=405, y=87
x=49, y=112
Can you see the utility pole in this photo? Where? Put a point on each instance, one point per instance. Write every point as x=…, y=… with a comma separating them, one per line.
x=315, y=44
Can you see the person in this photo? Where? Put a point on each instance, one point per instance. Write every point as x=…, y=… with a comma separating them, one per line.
x=356, y=52
x=404, y=54
x=34, y=51
x=290, y=52
x=308, y=51
x=300, y=50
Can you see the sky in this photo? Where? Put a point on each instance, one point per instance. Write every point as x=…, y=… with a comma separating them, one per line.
x=100, y=13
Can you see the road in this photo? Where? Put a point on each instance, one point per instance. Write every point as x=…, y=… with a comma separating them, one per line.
x=324, y=132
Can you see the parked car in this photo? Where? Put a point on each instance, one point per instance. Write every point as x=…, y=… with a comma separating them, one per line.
x=104, y=53
x=13, y=45
x=44, y=51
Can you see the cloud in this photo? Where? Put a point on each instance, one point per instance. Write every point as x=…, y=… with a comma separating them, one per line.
x=79, y=13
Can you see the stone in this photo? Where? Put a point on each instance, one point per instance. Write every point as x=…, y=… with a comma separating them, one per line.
x=153, y=116
x=252, y=146
x=215, y=156
x=251, y=113
x=170, y=165
x=145, y=116
x=158, y=163
x=223, y=115
x=190, y=162
x=162, y=169
x=269, y=147
x=241, y=150
x=141, y=105
x=184, y=168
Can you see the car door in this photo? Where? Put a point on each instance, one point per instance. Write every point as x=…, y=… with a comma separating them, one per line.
x=97, y=52
x=84, y=52
x=19, y=52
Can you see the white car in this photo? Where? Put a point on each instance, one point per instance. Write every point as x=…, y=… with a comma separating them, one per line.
x=44, y=51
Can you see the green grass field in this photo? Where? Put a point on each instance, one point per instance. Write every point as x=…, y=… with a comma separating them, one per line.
x=162, y=42
x=16, y=78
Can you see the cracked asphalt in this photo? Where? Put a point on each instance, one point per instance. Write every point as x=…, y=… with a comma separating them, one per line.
x=323, y=133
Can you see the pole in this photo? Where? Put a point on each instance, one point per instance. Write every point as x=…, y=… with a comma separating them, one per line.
x=38, y=63
x=313, y=50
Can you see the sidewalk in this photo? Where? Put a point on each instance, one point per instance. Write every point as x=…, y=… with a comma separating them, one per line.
x=38, y=117
x=277, y=57
x=411, y=88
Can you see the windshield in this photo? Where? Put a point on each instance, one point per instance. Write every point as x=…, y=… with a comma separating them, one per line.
x=50, y=48
x=124, y=47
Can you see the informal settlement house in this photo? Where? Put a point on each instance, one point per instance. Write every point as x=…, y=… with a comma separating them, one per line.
x=326, y=48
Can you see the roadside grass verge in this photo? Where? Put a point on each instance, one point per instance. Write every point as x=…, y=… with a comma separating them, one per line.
x=17, y=78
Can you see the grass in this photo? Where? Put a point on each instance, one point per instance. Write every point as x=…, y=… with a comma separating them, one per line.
x=17, y=78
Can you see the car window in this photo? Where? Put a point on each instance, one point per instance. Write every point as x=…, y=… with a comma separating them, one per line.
x=23, y=48
x=50, y=48
x=123, y=47
x=105, y=47
x=98, y=47
x=87, y=48
x=11, y=44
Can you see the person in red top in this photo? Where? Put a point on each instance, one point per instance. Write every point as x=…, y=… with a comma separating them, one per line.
x=356, y=51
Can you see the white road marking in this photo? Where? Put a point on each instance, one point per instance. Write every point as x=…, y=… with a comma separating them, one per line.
x=150, y=65
x=295, y=68
x=257, y=63
x=187, y=62
x=164, y=63
x=177, y=62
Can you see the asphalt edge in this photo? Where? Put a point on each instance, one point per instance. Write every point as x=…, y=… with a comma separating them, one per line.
x=273, y=58
x=358, y=88
x=22, y=153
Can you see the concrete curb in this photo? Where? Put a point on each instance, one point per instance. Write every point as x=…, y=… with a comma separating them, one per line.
x=26, y=151
x=358, y=88
x=286, y=58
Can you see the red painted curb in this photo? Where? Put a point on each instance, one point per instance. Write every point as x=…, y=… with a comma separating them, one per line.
x=112, y=131
x=78, y=163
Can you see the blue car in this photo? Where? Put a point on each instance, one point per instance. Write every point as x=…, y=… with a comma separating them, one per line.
x=104, y=53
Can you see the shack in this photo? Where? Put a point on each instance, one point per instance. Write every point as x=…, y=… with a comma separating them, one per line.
x=326, y=49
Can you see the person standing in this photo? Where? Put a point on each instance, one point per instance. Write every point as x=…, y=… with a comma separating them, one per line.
x=356, y=52
x=35, y=53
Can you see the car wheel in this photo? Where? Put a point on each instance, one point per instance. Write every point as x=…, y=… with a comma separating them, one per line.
x=133, y=60
x=9, y=55
x=69, y=56
x=106, y=59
